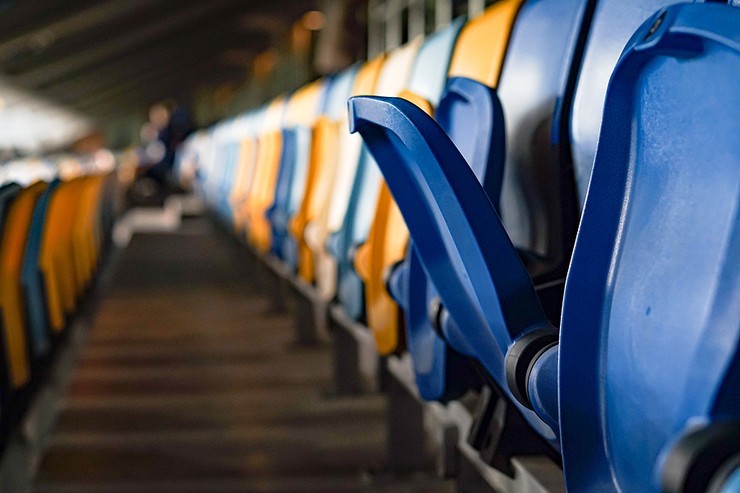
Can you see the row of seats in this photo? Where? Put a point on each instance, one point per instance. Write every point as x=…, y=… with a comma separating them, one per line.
x=56, y=217
x=543, y=199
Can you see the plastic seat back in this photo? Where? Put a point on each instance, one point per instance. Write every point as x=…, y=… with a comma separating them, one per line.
x=612, y=25
x=12, y=249
x=342, y=153
x=57, y=255
x=32, y=277
x=302, y=111
x=247, y=154
x=262, y=187
x=88, y=235
x=15, y=368
x=357, y=183
x=319, y=174
x=388, y=236
x=652, y=303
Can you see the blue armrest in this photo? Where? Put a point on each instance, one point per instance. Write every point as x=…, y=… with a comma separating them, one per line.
x=457, y=234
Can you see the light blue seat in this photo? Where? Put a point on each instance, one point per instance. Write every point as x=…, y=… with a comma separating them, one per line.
x=227, y=159
x=427, y=79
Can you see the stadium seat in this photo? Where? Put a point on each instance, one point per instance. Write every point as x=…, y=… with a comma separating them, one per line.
x=247, y=152
x=356, y=185
x=16, y=371
x=262, y=188
x=388, y=237
x=227, y=159
x=305, y=106
x=88, y=229
x=321, y=163
x=440, y=373
x=336, y=150
x=57, y=256
x=33, y=279
x=619, y=408
x=651, y=306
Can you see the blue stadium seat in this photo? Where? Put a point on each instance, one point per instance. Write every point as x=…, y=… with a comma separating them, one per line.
x=294, y=160
x=611, y=27
x=227, y=159
x=648, y=353
x=32, y=278
x=536, y=43
x=651, y=320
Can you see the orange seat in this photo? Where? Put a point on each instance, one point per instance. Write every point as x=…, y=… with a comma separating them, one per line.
x=391, y=81
x=265, y=172
x=57, y=259
x=299, y=109
x=325, y=152
x=12, y=307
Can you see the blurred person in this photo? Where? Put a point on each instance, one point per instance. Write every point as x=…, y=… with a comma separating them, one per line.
x=167, y=127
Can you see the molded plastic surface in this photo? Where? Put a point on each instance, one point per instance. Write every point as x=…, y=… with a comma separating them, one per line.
x=651, y=320
x=457, y=233
x=32, y=278
x=337, y=146
x=388, y=237
x=303, y=110
x=612, y=25
x=538, y=44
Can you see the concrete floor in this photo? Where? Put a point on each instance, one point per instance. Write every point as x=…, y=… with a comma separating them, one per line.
x=188, y=382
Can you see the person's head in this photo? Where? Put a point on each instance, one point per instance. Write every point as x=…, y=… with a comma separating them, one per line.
x=159, y=114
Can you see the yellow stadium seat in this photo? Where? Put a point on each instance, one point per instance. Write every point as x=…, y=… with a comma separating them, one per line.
x=86, y=236
x=301, y=108
x=391, y=81
x=12, y=307
x=325, y=146
x=57, y=260
x=265, y=172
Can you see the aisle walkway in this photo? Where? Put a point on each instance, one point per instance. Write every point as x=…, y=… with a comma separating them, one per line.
x=188, y=383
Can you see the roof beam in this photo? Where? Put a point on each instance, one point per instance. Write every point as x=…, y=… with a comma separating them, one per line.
x=131, y=68
x=137, y=39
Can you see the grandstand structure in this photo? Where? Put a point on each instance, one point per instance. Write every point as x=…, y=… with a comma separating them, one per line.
x=381, y=245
